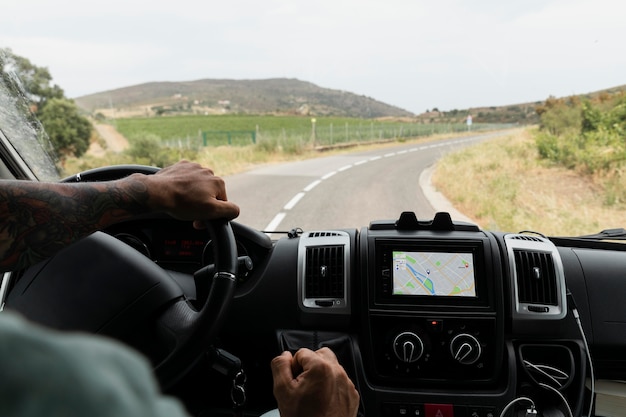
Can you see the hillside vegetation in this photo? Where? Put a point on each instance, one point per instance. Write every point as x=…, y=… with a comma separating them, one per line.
x=585, y=134
x=566, y=177
x=271, y=96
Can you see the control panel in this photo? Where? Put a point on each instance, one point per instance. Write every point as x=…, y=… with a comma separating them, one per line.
x=434, y=300
x=428, y=349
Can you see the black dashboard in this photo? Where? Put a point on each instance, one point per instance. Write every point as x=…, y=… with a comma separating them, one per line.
x=443, y=318
x=430, y=318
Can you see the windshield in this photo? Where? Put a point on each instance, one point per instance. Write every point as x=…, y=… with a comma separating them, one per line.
x=387, y=98
x=21, y=131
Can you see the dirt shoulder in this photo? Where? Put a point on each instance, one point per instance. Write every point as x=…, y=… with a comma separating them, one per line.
x=113, y=140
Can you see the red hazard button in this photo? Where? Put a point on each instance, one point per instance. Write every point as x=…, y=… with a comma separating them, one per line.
x=438, y=410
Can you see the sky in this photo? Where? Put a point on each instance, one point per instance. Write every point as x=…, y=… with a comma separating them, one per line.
x=413, y=54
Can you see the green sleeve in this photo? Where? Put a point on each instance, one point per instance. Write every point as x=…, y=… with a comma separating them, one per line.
x=52, y=374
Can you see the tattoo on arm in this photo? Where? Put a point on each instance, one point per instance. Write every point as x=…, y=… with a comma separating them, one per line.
x=37, y=220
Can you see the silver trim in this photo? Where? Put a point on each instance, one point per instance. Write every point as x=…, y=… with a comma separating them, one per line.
x=537, y=244
x=225, y=275
x=340, y=305
x=410, y=352
x=4, y=288
x=474, y=350
x=13, y=155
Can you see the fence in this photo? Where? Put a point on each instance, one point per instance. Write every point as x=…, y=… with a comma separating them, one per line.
x=328, y=135
x=369, y=132
x=228, y=137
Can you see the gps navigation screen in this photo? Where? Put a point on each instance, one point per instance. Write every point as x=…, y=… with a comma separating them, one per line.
x=433, y=273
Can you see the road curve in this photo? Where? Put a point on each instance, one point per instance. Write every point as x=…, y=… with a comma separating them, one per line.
x=343, y=191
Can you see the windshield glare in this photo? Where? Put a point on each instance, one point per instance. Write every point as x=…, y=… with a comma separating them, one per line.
x=22, y=129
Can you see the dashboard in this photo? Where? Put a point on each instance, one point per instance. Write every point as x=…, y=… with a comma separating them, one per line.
x=445, y=316
x=429, y=318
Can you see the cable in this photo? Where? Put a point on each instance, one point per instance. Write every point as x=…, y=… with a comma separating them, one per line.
x=549, y=372
x=513, y=402
x=591, y=371
x=295, y=232
x=556, y=391
x=572, y=302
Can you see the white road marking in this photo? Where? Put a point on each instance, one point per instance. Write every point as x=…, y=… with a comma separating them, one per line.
x=277, y=220
x=312, y=185
x=291, y=204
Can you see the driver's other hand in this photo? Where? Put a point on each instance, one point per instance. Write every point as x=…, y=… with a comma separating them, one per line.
x=189, y=191
x=313, y=384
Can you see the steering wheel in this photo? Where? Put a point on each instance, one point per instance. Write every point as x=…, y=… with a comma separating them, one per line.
x=145, y=304
x=193, y=329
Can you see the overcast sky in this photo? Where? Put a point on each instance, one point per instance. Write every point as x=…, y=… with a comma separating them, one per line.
x=414, y=54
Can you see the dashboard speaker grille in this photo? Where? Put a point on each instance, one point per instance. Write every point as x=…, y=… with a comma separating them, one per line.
x=323, y=234
x=527, y=238
x=324, y=273
x=536, y=277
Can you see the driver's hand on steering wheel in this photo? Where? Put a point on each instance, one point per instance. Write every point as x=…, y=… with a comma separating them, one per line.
x=313, y=384
x=188, y=191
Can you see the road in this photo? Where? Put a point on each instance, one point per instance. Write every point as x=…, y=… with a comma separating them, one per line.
x=113, y=140
x=341, y=191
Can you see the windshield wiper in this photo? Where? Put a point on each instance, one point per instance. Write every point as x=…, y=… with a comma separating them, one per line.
x=607, y=234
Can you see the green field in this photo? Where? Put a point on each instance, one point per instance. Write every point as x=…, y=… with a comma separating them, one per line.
x=244, y=130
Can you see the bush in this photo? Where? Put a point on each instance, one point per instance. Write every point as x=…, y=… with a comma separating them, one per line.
x=561, y=119
x=292, y=145
x=560, y=150
x=149, y=150
x=586, y=135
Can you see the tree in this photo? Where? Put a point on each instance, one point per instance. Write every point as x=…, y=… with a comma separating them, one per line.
x=69, y=132
x=37, y=81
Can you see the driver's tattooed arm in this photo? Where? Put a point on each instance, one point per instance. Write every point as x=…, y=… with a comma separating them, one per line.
x=38, y=219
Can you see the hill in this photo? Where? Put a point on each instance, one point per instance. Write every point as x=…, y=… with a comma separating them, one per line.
x=285, y=96
x=522, y=113
x=270, y=96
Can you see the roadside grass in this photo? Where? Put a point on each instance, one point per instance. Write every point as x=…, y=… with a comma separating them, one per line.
x=502, y=184
x=224, y=160
x=229, y=160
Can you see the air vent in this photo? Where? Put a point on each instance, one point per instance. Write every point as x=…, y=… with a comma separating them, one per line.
x=537, y=278
x=324, y=274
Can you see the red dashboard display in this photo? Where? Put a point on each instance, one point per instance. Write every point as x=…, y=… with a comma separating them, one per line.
x=182, y=249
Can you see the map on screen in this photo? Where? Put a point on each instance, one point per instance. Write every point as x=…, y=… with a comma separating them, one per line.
x=433, y=273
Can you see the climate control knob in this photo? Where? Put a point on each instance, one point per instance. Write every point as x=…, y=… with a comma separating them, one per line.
x=408, y=347
x=465, y=349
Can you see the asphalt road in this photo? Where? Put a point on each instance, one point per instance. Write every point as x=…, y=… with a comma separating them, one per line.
x=344, y=191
